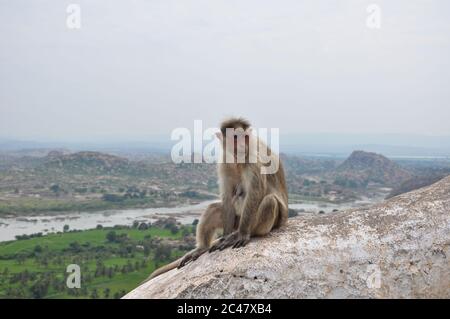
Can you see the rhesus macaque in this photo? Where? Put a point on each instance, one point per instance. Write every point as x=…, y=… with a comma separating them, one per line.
x=252, y=202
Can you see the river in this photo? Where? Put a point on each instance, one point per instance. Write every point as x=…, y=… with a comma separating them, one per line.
x=12, y=226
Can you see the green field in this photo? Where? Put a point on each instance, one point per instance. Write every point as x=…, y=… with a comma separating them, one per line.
x=111, y=264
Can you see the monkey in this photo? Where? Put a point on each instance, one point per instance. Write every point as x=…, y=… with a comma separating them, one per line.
x=262, y=201
x=252, y=203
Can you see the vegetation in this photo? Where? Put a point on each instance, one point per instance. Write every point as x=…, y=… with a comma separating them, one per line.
x=48, y=205
x=112, y=260
x=92, y=181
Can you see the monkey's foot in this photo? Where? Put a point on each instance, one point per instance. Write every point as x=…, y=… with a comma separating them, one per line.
x=234, y=239
x=191, y=256
x=215, y=245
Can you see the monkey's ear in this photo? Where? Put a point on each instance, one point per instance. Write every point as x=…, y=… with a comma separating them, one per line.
x=219, y=135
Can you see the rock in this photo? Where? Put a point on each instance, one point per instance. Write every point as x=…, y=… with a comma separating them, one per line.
x=396, y=249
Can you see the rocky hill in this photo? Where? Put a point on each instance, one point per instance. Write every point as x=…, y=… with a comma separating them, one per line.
x=416, y=182
x=396, y=249
x=362, y=168
x=86, y=162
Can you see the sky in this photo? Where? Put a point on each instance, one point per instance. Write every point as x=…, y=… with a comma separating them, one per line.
x=143, y=67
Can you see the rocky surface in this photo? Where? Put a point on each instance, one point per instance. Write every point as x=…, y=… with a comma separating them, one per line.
x=396, y=249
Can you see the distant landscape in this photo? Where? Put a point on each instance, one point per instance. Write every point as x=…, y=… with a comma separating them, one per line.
x=58, y=183
x=34, y=181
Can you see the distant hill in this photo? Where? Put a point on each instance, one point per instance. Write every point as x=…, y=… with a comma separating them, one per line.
x=417, y=182
x=85, y=162
x=295, y=165
x=362, y=168
x=38, y=152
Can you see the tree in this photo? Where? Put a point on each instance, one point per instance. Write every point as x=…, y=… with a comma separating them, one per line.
x=55, y=188
x=146, y=249
x=106, y=292
x=94, y=293
x=100, y=270
x=173, y=229
x=39, y=289
x=162, y=252
x=112, y=198
x=111, y=236
x=186, y=231
x=110, y=272
x=66, y=228
x=143, y=226
x=37, y=249
x=143, y=193
x=20, y=258
x=130, y=267
x=75, y=247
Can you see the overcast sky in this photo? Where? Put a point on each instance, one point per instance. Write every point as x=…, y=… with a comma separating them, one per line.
x=143, y=67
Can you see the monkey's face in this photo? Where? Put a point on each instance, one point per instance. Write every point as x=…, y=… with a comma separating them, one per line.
x=236, y=143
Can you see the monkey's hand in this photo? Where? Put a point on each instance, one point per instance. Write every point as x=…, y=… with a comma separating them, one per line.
x=235, y=239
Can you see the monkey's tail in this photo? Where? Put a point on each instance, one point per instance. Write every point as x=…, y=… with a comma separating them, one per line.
x=163, y=269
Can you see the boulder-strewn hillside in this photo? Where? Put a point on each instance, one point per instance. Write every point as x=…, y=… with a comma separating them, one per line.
x=396, y=249
x=362, y=168
x=416, y=182
x=85, y=161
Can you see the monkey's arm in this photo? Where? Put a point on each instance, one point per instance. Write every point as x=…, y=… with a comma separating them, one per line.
x=253, y=197
x=228, y=214
x=228, y=209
